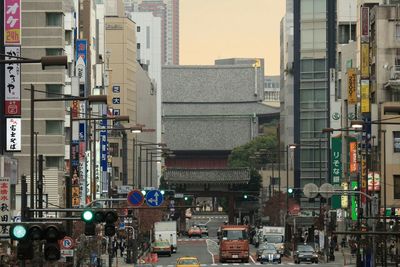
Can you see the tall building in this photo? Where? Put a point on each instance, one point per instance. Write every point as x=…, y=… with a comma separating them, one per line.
x=314, y=57
x=168, y=11
x=47, y=30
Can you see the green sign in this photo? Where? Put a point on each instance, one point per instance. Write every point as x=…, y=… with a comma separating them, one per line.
x=336, y=168
x=354, y=202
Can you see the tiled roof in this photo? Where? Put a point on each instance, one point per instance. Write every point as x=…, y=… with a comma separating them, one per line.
x=192, y=176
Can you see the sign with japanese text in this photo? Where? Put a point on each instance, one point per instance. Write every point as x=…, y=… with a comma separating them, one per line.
x=75, y=196
x=353, y=157
x=104, y=151
x=12, y=100
x=364, y=24
x=5, y=214
x=344, y=198
x=81, y=46
x=12, y=22
x=365, y=96
x=364, y=177
x=13, y=134
x=354, y=202
x=336, y=167
x=365, y=61
x=374, y=181
x=351, y=86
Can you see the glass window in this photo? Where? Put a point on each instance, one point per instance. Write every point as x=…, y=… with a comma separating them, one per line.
x=138, y=45
x=54, y=90
x=54, y=51
x=396, y=142
x=138, y=28
x=306, y=9
x=114, y=149
x=396, y=187
x=116, y=173
x=306, y=65
x=319, y=38
x=148, y=37
x=54, y=19
x=55, y=162
x=54, y=127
x=397, y=32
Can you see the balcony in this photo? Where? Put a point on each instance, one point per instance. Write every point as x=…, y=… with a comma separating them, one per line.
x=393, y=84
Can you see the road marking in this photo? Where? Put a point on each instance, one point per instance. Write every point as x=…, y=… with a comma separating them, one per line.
x=212, y=255
x=251, y=258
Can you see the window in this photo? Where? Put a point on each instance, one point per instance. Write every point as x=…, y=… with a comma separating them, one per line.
x=116, y=173
x=54, y=90
x=138, y=29
x=54, y=51
x=138, y=45
x=114, y=149
x=54, y=127
x=397, y=32
x=54, y=19
x=147, y=37
x=55, y=162
x=396, y=142
x=396, y=187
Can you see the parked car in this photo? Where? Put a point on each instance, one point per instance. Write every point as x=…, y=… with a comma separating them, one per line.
x=187, y=261
x=270, y=255
x=261, y=248
x=305, y=253
x=194, y=231
x=161, y=248
x=203, y=229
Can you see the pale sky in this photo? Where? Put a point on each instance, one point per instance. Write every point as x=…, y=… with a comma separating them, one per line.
x=214, y=29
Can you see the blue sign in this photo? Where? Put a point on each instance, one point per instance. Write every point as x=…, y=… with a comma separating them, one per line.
x=135, y=197
x=81, y=46
x=154, y=198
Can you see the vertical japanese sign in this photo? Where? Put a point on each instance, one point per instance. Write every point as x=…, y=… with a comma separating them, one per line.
x=351, y=86
x=81, y=53
x=344, y=197
x=74, y=161
x=5, y=214
x=13, y=134
x=365, y=96
x=353, y=157
x=104, y=151
x=374, y=181
x=354, y=202
x=364, y=24
x=12, y=22
x=12, y=103
x=363, y=177
x=336, y=168
x=364, y=61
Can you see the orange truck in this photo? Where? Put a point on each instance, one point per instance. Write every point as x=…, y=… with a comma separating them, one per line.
x=233, y=243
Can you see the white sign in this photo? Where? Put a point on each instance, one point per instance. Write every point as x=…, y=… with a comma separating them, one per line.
x=67, y=252
x=124, y=189
x=81, y=69
x=67, y=243
x=5, y=214
x=12, y=100
x=13, y=134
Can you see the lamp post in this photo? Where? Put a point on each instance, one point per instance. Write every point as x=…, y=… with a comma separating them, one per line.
x=289, y=147
x=140, y=145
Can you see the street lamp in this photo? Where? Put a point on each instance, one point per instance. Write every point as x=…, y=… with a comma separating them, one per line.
x=46, y=61
x=289, y=147
x=140, y=145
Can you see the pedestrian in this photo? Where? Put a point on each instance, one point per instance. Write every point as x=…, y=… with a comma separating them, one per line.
x=122, y=246
x=392, y=250
x=115, y=247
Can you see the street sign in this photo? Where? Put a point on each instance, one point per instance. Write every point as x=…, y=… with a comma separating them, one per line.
x=67, y=243
x=67, y=252
x=135, y=198
x=310, y=190
x=154, y=198
x=122, y=225
x=124, y=189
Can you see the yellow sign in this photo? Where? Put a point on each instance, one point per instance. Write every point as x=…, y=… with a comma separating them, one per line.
x=344, y=198
x=75, y=196
x=351, y=86
x=76, y=202
x=364, y=60
x=365, y=96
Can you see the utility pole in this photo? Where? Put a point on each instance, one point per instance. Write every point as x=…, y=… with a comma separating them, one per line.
x=40, y=185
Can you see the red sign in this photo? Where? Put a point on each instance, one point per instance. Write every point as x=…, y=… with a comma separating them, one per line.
x=135, y=198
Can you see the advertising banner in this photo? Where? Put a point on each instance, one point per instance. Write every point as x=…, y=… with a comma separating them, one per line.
x=12, y=103
x=351, y=86
x=5, y=210
x=336, y=168
x=364, y=24
x=12, y=22
x=344, y=198
x=365, y=105
x=354, y=206
x=374, y=181
x=353, y=157
x=365, y=61
x=13, y=134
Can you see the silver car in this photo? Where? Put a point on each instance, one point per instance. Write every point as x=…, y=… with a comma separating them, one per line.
x=261, y=248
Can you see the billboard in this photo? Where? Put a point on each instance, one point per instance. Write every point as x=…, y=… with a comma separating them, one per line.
x=13, y=134
x=374, y=181
x=364, y=24
x=351, y=86
x=5, y=211
x=12, y=22
x=12, y=74
x=353, y=157
x=365, y=105
x=364, y=60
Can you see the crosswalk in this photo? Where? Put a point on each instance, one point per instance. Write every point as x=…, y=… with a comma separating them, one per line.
x=238, y=264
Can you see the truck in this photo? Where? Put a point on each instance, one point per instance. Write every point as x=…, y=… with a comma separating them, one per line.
x=233, y=243
x=166, y=231
x=274, y=235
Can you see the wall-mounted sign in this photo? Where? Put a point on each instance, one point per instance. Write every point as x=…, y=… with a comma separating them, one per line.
x=13, y=133
x=116, y=89
x=364, y=24
x=351, y=86
x=353, y=157
x=116, y=100
x=374, y=181
x=12, y=22
x=364, y=60
x=365, y=96
x=5, y=208
x=12, y=103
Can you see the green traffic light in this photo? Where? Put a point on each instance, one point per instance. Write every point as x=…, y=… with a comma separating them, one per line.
x=19, y=232
x=245, y=196
x=87, y=216
x=290, y=190
x=144, y=192
x=186, y=198
x=162, y=192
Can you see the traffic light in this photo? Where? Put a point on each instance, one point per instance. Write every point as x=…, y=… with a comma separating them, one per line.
x=91, y=218
x=290, y=191
x=245, y=196
x=110, y=218
x=26, y=233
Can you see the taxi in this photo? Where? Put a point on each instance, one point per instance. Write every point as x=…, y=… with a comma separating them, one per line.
x=194, y=231
x=187, y=261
